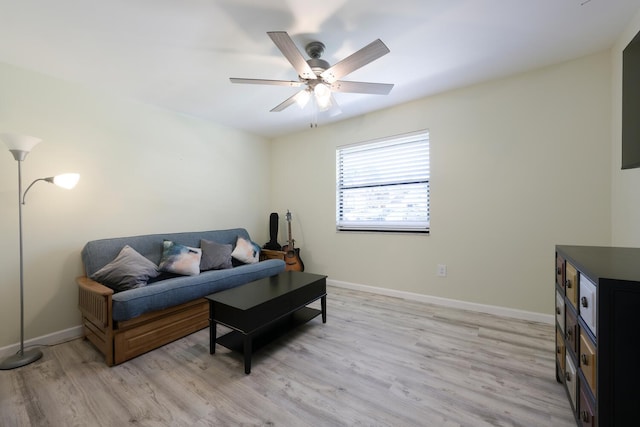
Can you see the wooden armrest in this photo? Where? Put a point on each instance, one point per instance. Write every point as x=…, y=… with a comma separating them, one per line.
x=94, y=301
x=92, y=286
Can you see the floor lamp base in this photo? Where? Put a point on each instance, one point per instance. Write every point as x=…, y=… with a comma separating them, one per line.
x=20, y=359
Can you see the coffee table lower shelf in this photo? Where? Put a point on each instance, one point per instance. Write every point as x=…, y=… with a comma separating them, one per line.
x=235, y=340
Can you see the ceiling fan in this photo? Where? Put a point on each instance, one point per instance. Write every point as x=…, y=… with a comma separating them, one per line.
x=317, y=77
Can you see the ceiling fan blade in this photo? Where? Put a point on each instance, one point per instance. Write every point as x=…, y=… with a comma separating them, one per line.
x=361, y=87
x=291, y=52
x=367, y=54
x=266, y=82
x=289, y=101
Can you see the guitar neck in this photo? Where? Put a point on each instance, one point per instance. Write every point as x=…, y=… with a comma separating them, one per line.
x=290, y=238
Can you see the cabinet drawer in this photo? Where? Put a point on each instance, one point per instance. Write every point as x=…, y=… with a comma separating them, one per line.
x=560, y=350
x=587, y=414
x=587, y=360
x=571, y=381
x=571, y=331
x=560, y=310
x=571, y=284
x=588, y=302
x=560, y=271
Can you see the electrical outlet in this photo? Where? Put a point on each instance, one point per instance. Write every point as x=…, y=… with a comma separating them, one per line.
x=442, y=270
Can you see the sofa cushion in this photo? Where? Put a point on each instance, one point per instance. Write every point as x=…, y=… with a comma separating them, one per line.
x=215, y=256
x=178, y=290
x=128, y=270
x=180, y=259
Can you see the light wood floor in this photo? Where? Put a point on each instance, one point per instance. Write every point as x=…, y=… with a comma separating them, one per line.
x=378, y=361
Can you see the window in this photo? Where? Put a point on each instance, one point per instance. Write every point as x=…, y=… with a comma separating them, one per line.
x=383, y=185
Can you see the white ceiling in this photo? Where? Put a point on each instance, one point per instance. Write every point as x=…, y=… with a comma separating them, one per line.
x=179, y=54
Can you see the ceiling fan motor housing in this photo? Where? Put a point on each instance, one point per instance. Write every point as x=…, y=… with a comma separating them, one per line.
x=315, y=51
x=318, y=65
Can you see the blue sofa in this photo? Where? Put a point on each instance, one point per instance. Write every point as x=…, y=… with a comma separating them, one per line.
x=125, y=324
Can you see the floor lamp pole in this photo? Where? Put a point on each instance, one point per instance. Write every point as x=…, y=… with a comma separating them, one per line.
x=22, y=357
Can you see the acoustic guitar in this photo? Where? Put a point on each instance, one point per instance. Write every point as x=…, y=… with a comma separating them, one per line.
x=292, y=254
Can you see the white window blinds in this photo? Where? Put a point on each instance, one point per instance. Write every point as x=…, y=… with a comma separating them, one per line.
x=383, y=185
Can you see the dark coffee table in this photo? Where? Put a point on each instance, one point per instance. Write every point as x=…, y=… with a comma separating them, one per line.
x=260, y=311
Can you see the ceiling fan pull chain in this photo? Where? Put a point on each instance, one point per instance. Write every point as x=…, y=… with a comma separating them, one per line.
x=314, y=112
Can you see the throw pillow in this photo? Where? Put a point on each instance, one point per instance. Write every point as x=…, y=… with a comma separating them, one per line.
x=246, y=251
x=128, y=270
x=180, y=259
x=215, y=256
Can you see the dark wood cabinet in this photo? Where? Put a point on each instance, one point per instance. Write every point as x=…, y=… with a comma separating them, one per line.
x=597, y=322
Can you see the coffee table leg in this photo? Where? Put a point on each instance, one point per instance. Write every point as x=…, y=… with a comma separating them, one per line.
x=323, y=304
x=212, y=330
x=247, y=354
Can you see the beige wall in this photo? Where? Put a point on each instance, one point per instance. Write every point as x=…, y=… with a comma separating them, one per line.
x=518, y=165
x=625, y=189
x=143, y=170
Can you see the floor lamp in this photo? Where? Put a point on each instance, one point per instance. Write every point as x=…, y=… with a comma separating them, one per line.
x=20, y=146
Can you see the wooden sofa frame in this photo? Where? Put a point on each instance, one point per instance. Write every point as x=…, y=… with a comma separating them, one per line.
x=121, y=341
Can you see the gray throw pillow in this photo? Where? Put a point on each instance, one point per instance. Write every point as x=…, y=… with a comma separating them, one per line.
x=215, y=256
x=128, y=270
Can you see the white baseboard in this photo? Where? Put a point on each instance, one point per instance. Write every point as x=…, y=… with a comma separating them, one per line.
x=464, y=305
x=45, y=340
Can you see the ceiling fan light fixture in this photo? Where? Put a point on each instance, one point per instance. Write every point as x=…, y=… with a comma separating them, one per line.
x=303, y=98
x=324, y=105
x=323, y=96
x=322, y=91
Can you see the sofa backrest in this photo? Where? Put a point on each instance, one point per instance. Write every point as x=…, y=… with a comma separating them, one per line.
x=98, y=253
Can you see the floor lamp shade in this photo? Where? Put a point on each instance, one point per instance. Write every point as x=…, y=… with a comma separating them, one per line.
x=66, y=180
x=20, y=146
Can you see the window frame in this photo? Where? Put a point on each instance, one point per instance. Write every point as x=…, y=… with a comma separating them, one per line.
x=413, y=184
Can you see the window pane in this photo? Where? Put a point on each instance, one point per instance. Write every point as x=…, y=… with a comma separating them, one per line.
x=384, y=185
